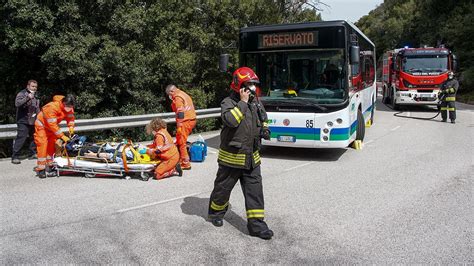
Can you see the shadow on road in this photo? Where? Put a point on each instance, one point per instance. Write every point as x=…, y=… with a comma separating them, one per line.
x=214, y=142
x=199, y=206
x=303, y=154
x=298, y=154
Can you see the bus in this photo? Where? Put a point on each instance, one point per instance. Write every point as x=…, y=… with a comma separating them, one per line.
x=317, y=81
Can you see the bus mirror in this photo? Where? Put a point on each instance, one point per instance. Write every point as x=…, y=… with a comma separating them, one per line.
x=455, y=63
x=355, y=55
x=223, y=62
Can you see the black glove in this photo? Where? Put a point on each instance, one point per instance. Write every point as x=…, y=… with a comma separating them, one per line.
x=266, y=134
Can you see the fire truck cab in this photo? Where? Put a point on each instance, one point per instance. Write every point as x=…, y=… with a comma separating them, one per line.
x=413, y=76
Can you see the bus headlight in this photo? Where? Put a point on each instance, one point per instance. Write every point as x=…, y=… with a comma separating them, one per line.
x=326, y=130
x=325, y=138
x=339, y=121
x=330, y=124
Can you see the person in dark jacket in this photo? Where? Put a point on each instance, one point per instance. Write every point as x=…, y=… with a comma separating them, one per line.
x=448, y=99
x=244, y=120
x=27, y=107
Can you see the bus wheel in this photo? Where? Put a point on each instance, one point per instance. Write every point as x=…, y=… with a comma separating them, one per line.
x=360, y=133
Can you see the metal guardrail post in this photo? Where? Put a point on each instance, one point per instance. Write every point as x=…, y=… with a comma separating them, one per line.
x=82, y=125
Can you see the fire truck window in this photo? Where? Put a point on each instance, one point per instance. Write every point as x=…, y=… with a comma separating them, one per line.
x=368, y=71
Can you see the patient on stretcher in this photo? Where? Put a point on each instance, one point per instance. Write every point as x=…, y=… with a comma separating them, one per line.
x=107, y=152
x=104, y=152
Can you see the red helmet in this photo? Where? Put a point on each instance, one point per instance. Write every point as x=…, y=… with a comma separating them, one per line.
x=241, y=75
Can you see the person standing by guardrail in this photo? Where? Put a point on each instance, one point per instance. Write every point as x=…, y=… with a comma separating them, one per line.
x=244, y=121
x=27, y=107
x=183, y=106
x=47, y=131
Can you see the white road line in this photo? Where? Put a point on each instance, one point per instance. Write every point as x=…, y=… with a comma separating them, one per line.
x=212, y=150
x=395, y=128
x=158, y=202
x=367, y=142
x=298, y=166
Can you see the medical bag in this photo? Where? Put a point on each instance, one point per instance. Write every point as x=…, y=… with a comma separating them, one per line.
x=198, y=151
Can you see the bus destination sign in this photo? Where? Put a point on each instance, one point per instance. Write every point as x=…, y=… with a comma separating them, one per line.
x=287, y=39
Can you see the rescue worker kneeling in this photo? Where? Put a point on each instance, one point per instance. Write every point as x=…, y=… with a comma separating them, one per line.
x=244, y=120
x=164, y=149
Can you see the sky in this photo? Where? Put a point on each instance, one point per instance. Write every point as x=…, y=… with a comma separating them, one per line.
x=350, y=10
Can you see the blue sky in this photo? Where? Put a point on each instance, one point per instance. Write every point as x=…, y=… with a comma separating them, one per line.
x=350, y=10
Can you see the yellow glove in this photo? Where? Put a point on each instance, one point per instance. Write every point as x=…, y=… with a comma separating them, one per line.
x=65, y=138
x=71, y=131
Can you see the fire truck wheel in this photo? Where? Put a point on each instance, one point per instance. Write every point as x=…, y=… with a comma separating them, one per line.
x=385, y=98
x=395, y=106
x=360, y=133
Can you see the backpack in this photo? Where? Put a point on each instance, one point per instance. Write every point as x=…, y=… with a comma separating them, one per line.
x=198, y=151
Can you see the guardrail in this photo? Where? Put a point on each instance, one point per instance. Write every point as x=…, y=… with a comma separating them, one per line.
x=82, y=125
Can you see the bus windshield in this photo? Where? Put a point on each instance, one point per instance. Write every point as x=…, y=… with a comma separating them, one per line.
x=417, y=64
x=316, y=76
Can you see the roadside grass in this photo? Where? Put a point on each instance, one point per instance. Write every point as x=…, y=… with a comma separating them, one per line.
x=467, y=97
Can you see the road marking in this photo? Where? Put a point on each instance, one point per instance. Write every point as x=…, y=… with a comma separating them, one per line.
x=158, y=202
x=212, y=150
x=298, y=166
x=367, y=142
x=395, y=128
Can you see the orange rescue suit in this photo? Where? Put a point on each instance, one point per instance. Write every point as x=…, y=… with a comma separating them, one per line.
x=185, y=122
x=164, y=149
x=47, y=129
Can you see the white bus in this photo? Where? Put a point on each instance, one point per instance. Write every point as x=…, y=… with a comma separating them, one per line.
x=317, y=80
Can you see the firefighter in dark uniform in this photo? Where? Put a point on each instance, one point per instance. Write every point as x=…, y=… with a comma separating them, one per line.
x=448, y=98
x=244, y=120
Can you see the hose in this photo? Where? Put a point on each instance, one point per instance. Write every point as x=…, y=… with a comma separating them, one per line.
x=419, y=118
x=441, y=98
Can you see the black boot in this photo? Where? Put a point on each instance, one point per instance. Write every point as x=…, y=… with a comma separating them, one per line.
x=266, y=234
x=179, y=169
x=218, y=222
x=453, y=122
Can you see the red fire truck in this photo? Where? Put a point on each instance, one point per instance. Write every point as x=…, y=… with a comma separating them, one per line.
x=412, y=76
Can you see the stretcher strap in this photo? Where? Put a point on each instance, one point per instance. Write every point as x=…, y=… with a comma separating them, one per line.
x=67, y=154
x=114, y=158
x=100, y=149
x=124, y=156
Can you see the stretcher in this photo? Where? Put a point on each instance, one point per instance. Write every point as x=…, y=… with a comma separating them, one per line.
x=140, y=166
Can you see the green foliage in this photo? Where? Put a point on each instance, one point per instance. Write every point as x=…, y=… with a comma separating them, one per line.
x=118, y=57
x=396, y=23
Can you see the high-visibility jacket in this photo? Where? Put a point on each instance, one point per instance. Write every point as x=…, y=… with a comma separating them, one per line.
x=52, y=114
x=183, y=107
x=240, y=136
x=163, y=146
x=450, y=87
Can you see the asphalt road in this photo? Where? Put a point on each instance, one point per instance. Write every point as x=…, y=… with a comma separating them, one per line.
x=406, y=197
